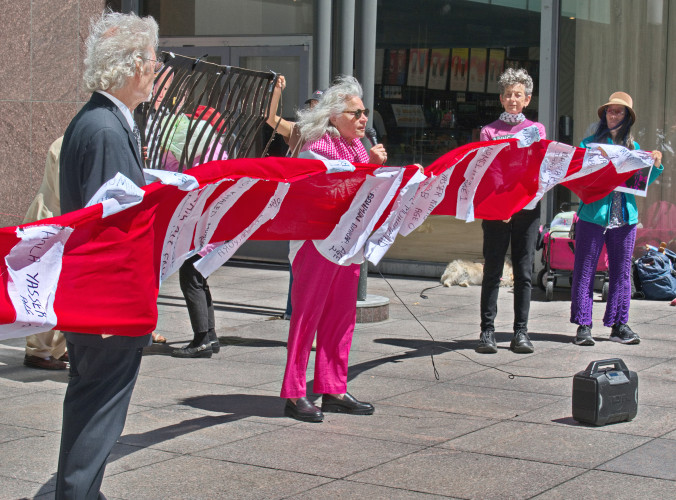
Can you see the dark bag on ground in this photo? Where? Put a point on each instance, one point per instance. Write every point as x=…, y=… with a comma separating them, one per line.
x=656, y=274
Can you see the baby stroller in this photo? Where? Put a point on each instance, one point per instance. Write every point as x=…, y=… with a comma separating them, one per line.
x=558, y=254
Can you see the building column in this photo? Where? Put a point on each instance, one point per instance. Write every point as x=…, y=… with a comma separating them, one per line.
x=322, y=44
x=346, y=55
x=547, y=107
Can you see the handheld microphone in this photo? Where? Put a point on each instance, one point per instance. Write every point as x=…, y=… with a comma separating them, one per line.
x=371, y=135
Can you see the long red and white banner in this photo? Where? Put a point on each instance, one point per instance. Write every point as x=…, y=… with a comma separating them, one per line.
x=99, y=270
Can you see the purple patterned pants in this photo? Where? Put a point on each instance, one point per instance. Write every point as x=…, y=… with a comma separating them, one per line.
x=589, y=240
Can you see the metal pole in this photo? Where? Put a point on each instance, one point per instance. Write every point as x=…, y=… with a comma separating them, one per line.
x=347, y=9
x=547, y=108
x=322, y=42
x=366, y=63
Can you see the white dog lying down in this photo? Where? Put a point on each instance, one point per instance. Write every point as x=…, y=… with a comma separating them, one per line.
x=465, y=273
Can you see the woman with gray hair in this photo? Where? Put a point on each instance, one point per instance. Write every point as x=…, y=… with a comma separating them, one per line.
x=516, y=89
x=324, y=294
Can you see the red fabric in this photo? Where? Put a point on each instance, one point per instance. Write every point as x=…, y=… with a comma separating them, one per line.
x=511, y=182
x=110, y=277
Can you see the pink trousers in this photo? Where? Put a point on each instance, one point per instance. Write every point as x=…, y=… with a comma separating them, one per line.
x=324, y=300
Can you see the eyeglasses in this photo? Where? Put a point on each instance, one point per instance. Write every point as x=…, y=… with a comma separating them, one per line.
x=613, y=112
x=158, y=64
x=358, y=112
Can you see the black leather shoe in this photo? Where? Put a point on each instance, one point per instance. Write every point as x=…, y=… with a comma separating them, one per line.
x=346, y=405
x=45, y=364
x=487, y=343
x=213, y=339
x=521, y=343
x=303, y=410
x=201, y=351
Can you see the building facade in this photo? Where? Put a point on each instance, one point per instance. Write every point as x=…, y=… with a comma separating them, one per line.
x=429, y=68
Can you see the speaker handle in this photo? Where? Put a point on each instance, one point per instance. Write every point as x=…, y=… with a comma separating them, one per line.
x=617, y=363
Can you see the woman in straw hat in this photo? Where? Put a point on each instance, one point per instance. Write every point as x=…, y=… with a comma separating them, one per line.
x=611, y=220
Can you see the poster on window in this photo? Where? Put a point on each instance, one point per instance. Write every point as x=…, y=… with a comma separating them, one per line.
x=477, y=70
x=396, y=66
x=496, y=65
x=380, y=66
x=438, y=69
x=459, y=67
x=417, y=68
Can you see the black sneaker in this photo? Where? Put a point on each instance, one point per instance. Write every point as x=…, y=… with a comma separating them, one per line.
x=521, y=343
x=487, y=343
x=584, y=336
x=201, y=351
x=624, y=335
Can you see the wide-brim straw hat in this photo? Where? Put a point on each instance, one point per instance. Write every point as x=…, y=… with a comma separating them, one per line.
x=621, y=98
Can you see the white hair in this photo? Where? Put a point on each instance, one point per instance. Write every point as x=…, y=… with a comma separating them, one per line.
x=513, y=77
x=115, y=44
x=315, y=122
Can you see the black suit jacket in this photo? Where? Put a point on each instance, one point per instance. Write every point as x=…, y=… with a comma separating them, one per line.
x=97, y=145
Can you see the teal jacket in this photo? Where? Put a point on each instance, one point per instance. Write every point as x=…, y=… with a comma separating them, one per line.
x=598, y=212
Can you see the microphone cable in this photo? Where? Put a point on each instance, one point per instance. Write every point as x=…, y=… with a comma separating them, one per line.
x=509, y=374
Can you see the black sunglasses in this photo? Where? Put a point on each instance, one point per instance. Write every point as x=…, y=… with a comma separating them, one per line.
x=358, y=112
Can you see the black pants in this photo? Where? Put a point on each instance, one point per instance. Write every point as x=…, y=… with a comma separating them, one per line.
x=94, y=412
x=198, y=299
x=522, y=231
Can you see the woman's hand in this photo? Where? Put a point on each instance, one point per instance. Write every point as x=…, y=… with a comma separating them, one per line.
x=378, y=155
x=657, y=156
x=280, y=85
x=420, y=167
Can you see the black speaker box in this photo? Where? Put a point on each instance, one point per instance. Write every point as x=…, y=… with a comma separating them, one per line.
x=606, y=392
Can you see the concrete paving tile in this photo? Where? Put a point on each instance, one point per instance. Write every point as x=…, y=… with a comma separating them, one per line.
x=157, y=392
x=525, y=380
x=599, y=484
x=405, y=425
x=40, y=410
x=665, y=370
x=13, y=432
x=213, y=371
x=33, y=458
x=180, y=429
x=28, y=380
x=419, y=367
x=657, y=391
x=467, y=475
x=319, y=455
x=193, y=477
x=650, y=421
x=574, y=446
x=124, y=458
x=468, y=400
x=653, y=459
x=350, y=489
x=12, y=488
x=575, y=359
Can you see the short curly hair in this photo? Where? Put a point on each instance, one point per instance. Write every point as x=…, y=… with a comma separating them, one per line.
x=513, y=77
x=114, y=47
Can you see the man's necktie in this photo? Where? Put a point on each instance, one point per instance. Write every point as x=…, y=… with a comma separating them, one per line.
x=137, y=134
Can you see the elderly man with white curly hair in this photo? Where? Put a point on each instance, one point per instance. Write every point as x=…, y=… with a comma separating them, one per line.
x=100, y=142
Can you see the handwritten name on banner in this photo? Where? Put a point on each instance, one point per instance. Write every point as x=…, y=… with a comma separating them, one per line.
x=209, y=220
x=221, y=254
x=552, y=169
x=345, y=244
x=383, y=238
x=473, y=175
x=118, y=194
x=528, y=136
x=179, y=235
x=34, y=267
